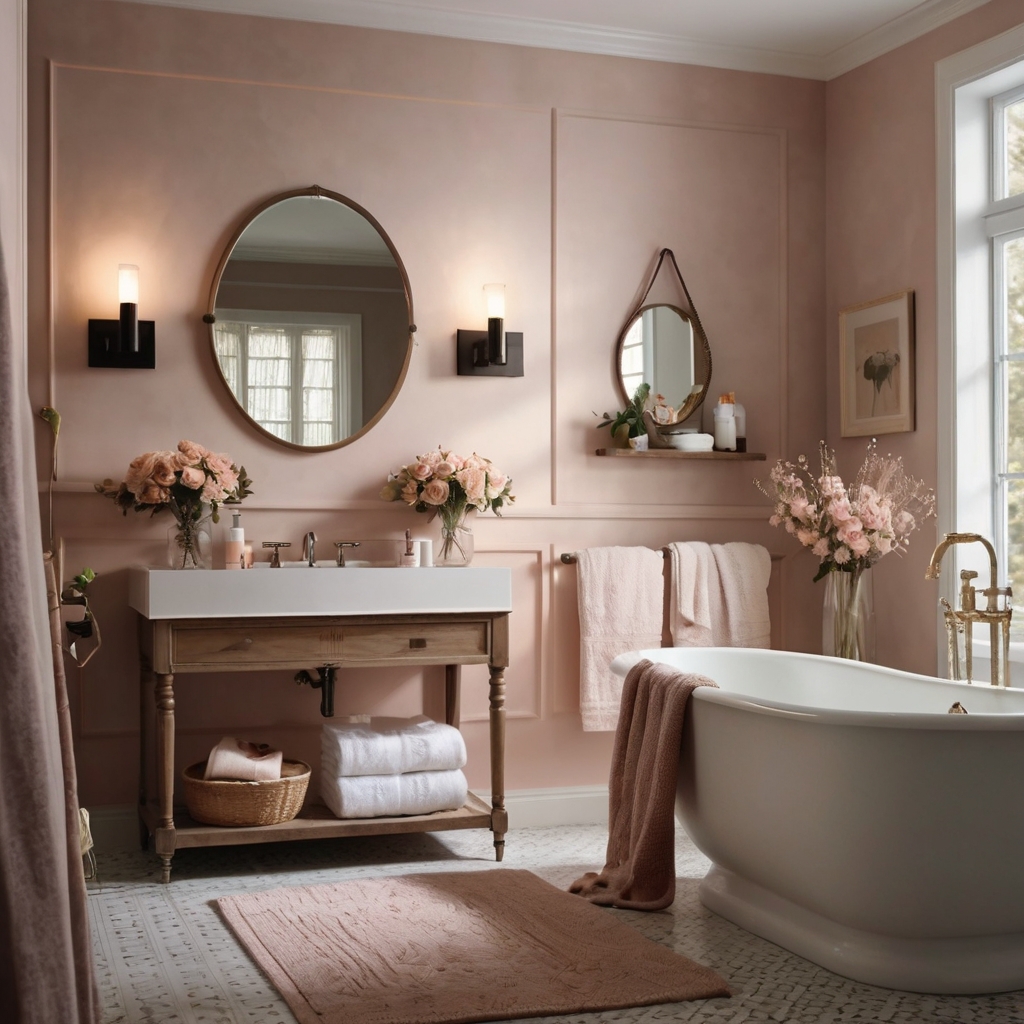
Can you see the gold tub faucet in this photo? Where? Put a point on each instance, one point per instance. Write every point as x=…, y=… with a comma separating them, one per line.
x=997, y=612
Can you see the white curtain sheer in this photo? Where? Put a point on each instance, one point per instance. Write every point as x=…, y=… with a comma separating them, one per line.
x=299, y=381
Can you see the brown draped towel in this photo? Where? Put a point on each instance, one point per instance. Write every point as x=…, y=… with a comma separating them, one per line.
x=640, y=864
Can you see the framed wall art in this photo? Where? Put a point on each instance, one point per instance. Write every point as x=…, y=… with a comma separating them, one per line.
x=876, y=366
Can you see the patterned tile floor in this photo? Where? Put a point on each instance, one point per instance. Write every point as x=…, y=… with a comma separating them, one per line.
x=164, y=955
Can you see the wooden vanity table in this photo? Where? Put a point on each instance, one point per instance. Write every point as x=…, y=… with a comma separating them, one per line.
x=179, y=632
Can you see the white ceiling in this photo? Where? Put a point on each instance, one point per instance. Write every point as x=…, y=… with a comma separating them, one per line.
x=806, y=38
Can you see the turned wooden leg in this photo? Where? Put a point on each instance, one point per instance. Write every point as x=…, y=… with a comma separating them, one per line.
x=452, y=676
x=164, y=839
x=499, y=816
x=146, y=684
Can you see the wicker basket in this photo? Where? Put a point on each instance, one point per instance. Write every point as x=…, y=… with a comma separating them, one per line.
x=230, y=802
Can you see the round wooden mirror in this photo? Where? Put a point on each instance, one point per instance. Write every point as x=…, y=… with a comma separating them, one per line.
x=311, y=319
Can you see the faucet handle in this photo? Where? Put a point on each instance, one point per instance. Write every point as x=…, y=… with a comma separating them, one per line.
x=275, y=560
x=341, y=545
x=968, y=596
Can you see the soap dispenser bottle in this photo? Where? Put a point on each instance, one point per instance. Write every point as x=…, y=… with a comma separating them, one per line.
x=234, y=549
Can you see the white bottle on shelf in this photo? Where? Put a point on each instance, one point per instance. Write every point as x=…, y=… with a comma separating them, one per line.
x=725, y=423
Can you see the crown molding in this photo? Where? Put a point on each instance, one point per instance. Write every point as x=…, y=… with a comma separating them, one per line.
x=896, y=33
x=394, y=15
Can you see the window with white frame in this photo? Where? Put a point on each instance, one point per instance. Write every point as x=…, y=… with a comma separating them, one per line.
x=634, y=358
x=980, y=120
x=1006, y=228
x=297, y=375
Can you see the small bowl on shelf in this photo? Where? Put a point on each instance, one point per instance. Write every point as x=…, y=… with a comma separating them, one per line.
x=692, y=442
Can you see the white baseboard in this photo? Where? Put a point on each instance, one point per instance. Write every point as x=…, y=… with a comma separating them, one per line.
x=115, y=826
x=544, y=808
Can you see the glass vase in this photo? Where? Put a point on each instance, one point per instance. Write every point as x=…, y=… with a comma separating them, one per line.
x=848, y=622
x=190, y=543
x=456, y=546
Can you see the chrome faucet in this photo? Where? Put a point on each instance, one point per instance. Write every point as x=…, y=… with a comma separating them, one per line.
x=309, y=549
x=997, y=612
x=341, y=545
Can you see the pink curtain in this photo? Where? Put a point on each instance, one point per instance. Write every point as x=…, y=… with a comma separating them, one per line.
x=45, y=956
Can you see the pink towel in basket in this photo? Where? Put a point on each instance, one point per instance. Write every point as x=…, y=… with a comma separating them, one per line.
x=236, y=759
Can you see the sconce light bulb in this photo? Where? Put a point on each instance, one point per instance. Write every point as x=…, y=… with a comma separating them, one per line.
x=128, y=283
x=494, y=296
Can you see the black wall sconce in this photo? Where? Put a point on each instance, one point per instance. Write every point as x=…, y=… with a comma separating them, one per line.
x=128, y=342
x=494, y=352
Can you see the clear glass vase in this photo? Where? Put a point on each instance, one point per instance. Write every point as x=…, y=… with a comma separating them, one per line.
x=848, y=621
x=456, y=546
x=190, y=543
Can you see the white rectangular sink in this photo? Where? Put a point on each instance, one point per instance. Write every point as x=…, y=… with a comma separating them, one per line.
x=225, y=594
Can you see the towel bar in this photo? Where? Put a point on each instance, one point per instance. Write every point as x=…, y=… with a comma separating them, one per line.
x=569, y=557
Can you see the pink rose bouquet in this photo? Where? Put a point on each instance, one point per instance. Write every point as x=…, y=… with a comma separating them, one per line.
x=848, y=528
x=449, y=486
x=190, y=482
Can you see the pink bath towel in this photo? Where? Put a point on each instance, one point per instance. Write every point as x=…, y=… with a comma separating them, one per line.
x=718, y=595
x=640, y=864
x=621, y=601
x=237, y=759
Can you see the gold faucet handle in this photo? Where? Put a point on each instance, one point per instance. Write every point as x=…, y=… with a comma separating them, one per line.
x=967, y=592
x=275, y=559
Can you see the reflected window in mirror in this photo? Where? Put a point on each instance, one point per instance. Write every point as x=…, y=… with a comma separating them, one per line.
x=311, y=319
x=659, y=347
x=302, y=380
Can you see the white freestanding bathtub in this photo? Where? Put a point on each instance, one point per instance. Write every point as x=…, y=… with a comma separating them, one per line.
x=852, y=820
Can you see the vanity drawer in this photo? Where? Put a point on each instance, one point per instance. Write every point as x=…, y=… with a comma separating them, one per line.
x=297, y=646
x=422, y=642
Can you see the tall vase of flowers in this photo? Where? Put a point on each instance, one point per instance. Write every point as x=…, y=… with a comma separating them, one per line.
x=449, y=488
x=848, y=620
x=849, y=529
x=191, y=483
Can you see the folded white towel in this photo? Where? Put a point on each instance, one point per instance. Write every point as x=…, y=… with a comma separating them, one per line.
x=719, y=595
x=621, y=603
x=375, y=796
x=390, y=746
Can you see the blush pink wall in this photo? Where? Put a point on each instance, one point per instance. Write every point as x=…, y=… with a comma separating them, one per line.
x=881, y=238
x=152, y=129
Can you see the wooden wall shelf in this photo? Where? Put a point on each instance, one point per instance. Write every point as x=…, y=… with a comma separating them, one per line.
x=675, y=453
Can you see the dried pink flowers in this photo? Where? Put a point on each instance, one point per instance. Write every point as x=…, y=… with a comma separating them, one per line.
x=848, y=528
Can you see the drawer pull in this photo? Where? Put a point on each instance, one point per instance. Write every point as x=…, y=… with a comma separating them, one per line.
x=241, y=645
x=417, y=642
